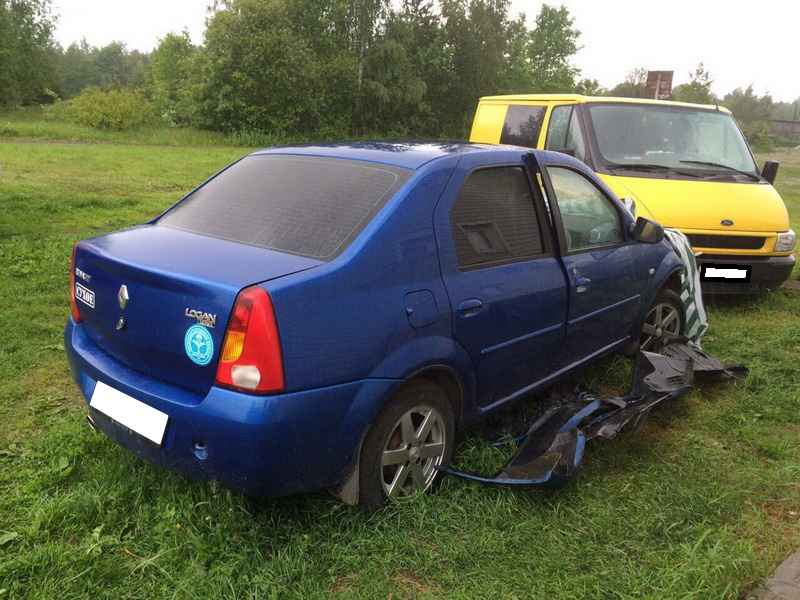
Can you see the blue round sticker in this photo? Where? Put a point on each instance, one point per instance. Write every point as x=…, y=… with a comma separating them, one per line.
x=199, y=345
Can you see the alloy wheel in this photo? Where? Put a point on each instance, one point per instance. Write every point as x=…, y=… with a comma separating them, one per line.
x=662, y=322
x=415, y=446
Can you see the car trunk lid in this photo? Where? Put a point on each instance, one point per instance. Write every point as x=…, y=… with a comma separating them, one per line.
x=172, y=280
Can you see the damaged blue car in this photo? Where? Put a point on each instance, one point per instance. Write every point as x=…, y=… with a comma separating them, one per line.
x=330, y=316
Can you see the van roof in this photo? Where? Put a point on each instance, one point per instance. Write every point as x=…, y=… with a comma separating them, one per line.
x=580, y=98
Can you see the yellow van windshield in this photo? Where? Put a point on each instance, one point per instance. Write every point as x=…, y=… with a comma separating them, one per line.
x=673, y=137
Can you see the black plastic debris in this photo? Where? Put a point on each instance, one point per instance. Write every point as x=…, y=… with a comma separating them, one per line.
x=552, y=450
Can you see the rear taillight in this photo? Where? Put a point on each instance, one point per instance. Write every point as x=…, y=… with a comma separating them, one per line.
x=251, y=353
x=73, y=303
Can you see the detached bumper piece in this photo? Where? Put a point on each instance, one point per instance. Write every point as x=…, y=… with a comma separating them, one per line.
x=552, y=450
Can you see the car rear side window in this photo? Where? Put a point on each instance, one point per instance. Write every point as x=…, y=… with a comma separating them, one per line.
x=311, y=206
x=522, y=125
x=494, y=219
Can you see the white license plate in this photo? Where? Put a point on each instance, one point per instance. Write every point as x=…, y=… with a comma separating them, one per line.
x=84, y=294
x=136, y=416
x=725, y=273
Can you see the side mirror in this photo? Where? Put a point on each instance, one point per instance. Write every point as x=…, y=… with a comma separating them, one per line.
x=647, y=231
x=770, y=170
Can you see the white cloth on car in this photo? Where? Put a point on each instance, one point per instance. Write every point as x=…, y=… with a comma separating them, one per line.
x=695, y=318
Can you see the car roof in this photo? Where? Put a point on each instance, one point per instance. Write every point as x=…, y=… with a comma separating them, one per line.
x=580, y=98
x=406, y=155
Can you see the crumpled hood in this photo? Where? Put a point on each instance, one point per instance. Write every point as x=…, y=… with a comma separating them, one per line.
x=690, y=204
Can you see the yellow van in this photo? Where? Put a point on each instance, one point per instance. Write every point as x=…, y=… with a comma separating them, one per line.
x=687, y=166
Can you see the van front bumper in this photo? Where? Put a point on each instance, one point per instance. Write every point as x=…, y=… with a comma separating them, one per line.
x=765, y=273
x=260, y=445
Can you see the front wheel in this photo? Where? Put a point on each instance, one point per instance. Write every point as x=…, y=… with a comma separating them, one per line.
x=664, y=320
x=413, y=435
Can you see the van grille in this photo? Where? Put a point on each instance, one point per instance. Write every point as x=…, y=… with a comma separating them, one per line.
x=732, y=242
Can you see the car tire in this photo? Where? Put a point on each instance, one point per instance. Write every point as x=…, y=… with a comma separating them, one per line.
x=398, y=457
x=664, y=317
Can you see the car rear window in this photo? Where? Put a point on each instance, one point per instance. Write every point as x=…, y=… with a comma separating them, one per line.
x=311, y=206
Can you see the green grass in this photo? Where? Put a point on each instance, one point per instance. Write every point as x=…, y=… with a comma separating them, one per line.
x=702, y=503
x=40, y=124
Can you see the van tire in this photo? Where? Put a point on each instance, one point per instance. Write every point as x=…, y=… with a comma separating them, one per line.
x=386, y=434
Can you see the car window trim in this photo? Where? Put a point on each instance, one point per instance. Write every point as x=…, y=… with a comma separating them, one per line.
x=547, y=246
x=560, y=232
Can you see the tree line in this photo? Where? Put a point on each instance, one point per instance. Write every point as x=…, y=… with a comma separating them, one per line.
x=324, y=68
x=302, y=67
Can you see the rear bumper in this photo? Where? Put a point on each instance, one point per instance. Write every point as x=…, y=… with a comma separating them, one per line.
x=766, y=273
x=260, y=445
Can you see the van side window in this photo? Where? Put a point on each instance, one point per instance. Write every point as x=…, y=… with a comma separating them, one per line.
x=589, y=218
x=494, y=218
x=522, y=125
x=564, y=132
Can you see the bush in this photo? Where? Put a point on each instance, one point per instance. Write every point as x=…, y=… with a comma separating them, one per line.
x=118, y=109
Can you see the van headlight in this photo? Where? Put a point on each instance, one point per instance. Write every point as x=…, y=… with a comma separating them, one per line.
x=785, y=241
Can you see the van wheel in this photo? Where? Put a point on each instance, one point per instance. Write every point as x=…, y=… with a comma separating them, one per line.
x=664, y=319
x=413, y=434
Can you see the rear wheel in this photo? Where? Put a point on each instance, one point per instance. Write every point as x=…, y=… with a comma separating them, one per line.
x=413, y=435
x=664, y=320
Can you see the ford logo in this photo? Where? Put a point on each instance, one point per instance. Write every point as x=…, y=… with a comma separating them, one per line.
x=726, y=222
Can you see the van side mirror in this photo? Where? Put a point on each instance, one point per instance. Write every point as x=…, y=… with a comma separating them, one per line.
x=647, y=231
x=770, y=170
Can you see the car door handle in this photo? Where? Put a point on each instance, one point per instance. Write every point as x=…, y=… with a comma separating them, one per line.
x=581, y=284
x=470, y=308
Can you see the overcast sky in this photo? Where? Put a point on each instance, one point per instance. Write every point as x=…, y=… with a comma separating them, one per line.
x=739, y=42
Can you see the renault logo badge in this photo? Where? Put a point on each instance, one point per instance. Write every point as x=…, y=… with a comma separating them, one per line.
x=122, y=296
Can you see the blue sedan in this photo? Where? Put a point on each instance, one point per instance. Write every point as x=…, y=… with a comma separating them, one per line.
x=329, y=316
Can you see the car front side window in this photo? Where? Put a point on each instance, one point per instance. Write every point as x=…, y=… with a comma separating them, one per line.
x=588, y=217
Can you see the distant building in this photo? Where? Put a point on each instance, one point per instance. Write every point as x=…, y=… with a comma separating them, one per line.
x=659, y=85
x=784, y=128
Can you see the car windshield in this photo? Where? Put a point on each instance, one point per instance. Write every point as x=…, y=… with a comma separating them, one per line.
x=662, y=138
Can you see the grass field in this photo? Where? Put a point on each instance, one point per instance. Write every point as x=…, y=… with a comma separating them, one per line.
x=702, y=503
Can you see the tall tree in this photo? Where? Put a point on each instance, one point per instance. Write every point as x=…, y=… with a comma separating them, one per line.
x=259, y=70
x=589, y=87
x=698, y=90
x=751, y=111
x=363, y=18
x=553, y=43
x=403, y=70
x=634, y=86
x=476, y=35
x=78, y=68
x=27, y=51
x=119, y=67
x=171, y=77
